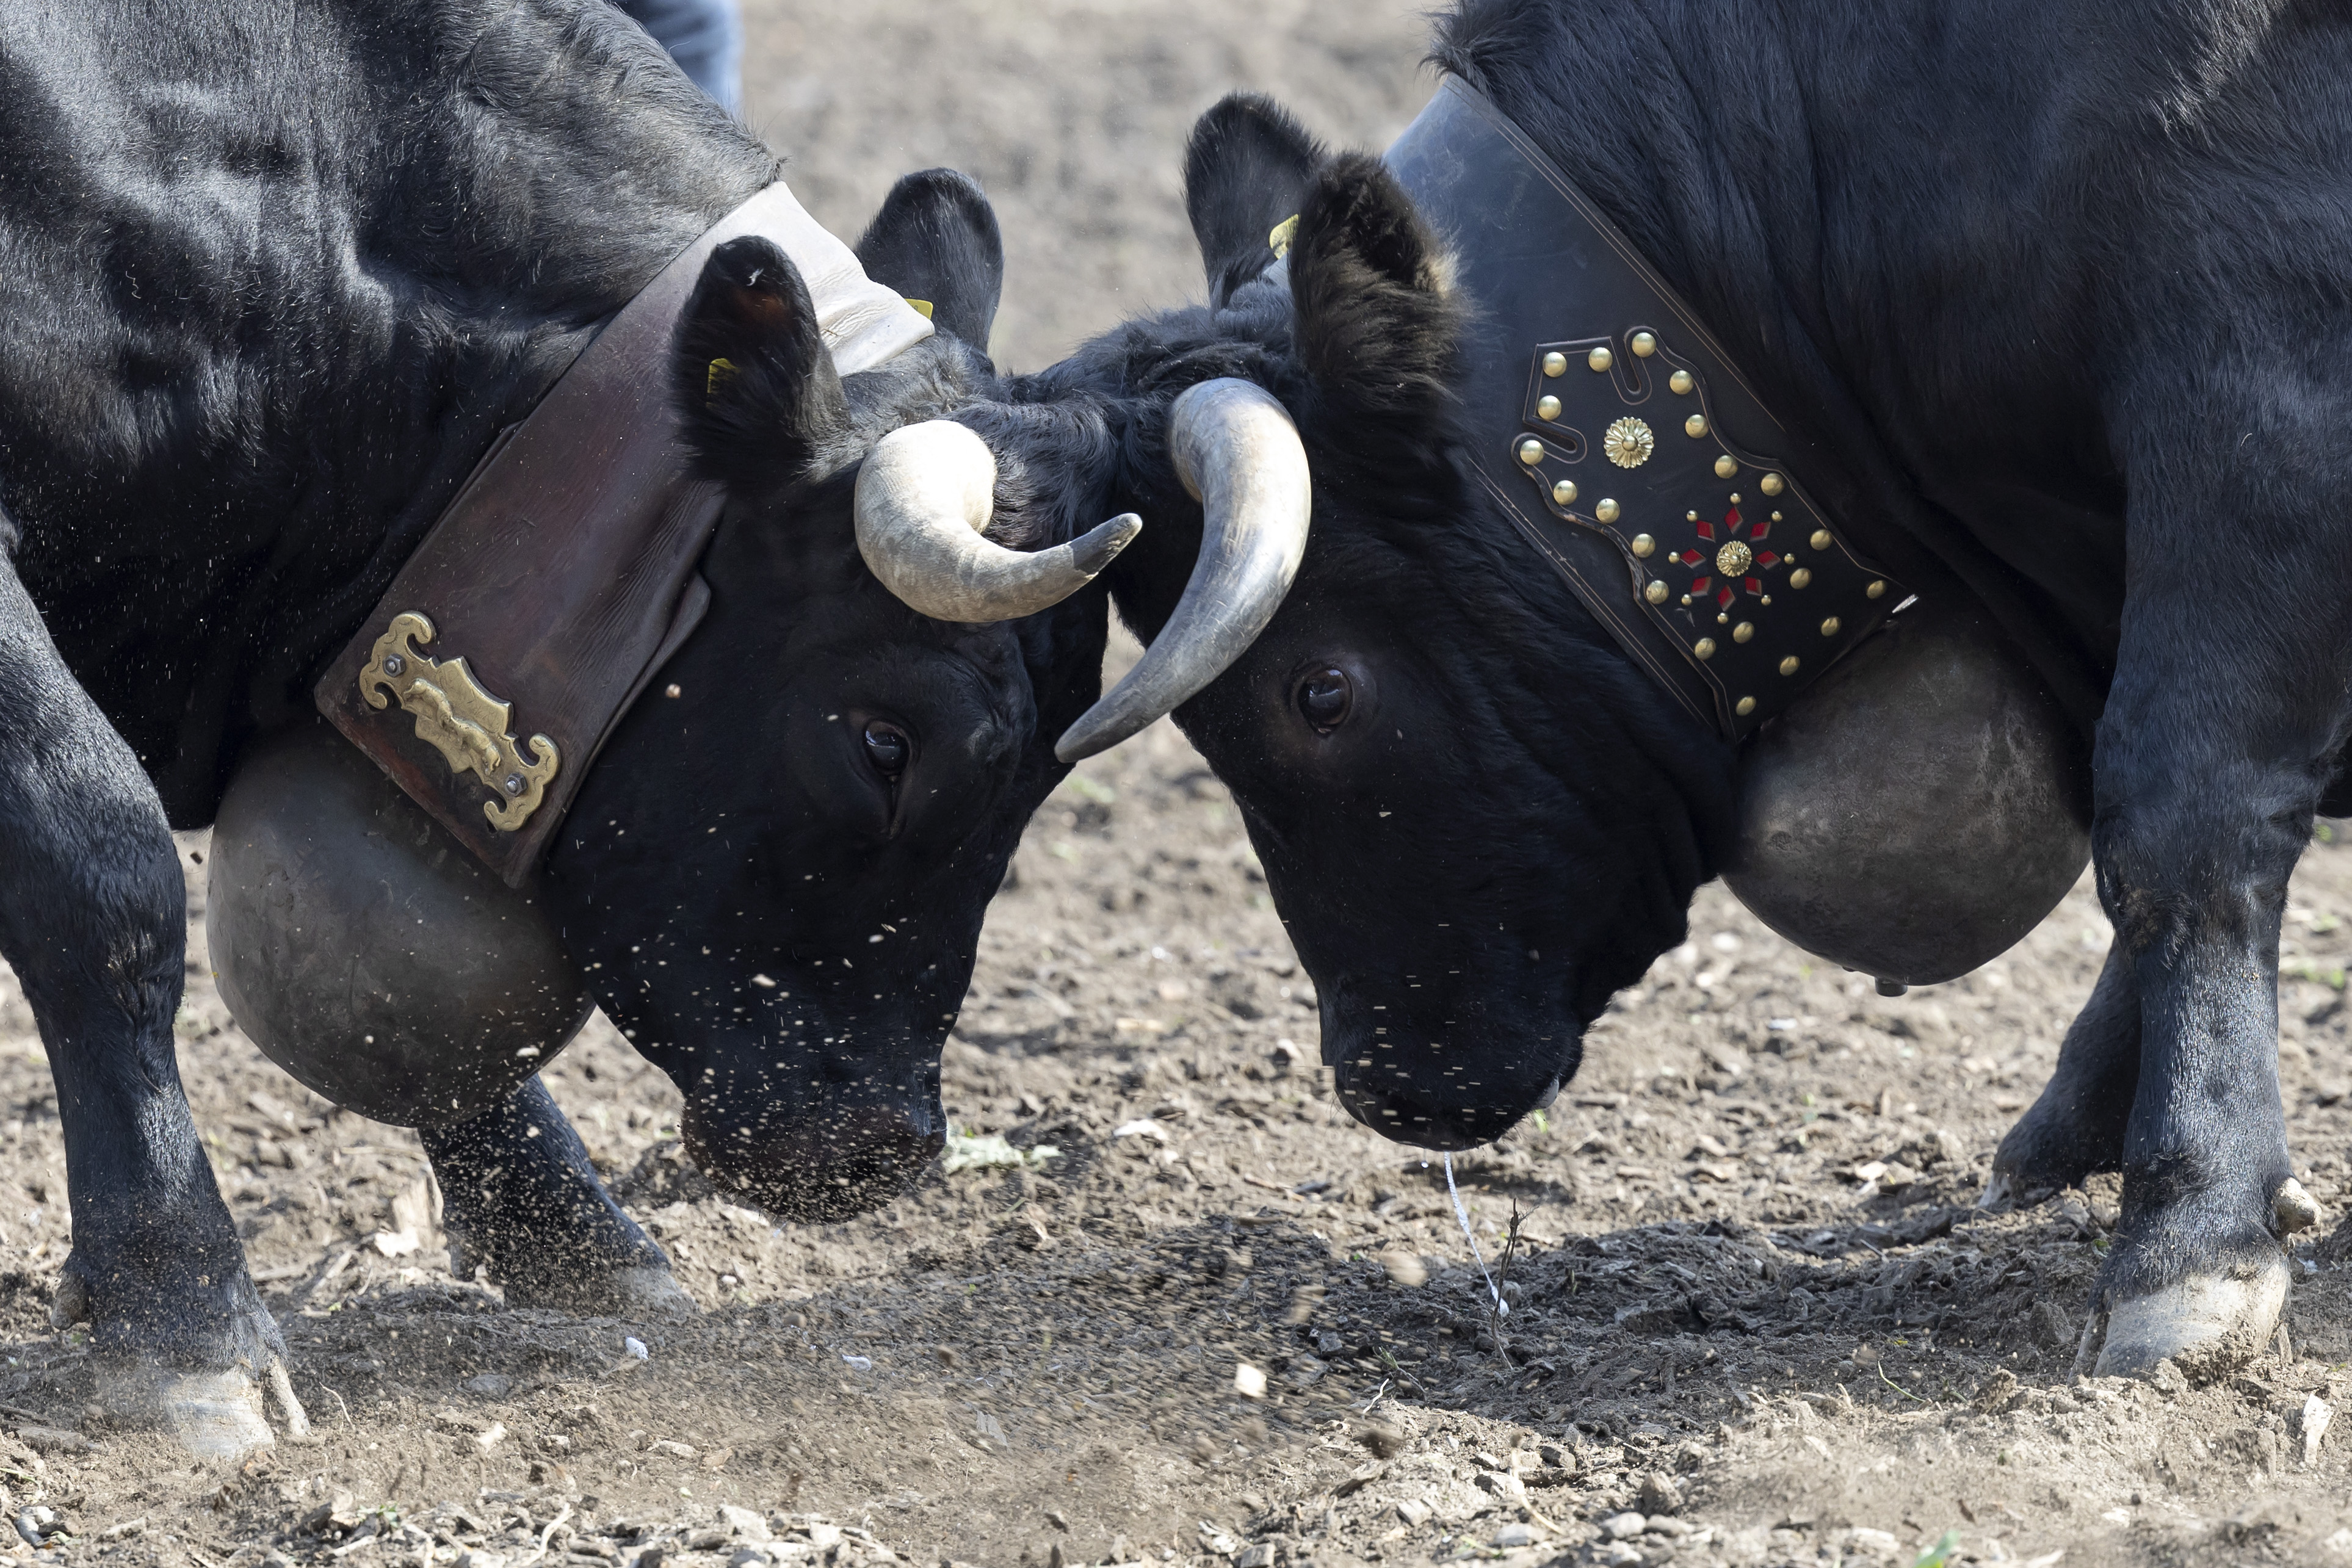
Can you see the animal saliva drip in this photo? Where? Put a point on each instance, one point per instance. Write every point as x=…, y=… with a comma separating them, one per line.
x=1462, y=1213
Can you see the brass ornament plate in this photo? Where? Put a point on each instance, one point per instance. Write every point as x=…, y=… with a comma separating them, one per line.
x=472, y=730
x=1725, y=551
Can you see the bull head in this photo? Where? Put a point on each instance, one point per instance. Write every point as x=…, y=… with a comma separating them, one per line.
x=866, y=714
x=1479, y=817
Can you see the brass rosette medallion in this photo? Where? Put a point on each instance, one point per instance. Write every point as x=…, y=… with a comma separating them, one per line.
x=472, y=730
x=1722, y=548
x=1628, y=443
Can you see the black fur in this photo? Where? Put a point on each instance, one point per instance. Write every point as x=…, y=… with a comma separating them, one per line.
x=937, y=232
x=276, y=276
x=756, y=391
x=1242, y=178
x=1376, y=328
x=2063, y=307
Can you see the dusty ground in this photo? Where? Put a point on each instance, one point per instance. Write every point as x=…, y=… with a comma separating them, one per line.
x=1717, y=1322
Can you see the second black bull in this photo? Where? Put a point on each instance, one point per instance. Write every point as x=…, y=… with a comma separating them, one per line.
x=2050, y=300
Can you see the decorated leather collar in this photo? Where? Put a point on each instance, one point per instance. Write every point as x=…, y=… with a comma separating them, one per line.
x=1620, y=440
x=564, y=573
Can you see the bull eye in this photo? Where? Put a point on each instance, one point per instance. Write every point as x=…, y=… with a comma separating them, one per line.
x=886, y=747
x=1325, y=699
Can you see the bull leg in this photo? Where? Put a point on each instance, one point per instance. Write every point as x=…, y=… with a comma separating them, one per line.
x=2228, y=709
x=521, y=1202
x=94, y=918
x=2078, y=1125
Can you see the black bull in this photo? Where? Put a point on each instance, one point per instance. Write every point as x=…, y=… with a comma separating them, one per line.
x=2063, y=291
x=275, y=277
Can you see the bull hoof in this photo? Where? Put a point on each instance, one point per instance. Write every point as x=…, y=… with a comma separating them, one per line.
x=2002, y=1193
x=652, y=1293
x=631, y=1292
x=215, y=1415
x=2207, y=1325
x=2010, y=1189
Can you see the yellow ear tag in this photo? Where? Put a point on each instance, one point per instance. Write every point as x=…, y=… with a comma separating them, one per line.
x=715, y=379
x=1284, y=233
x=922, y=305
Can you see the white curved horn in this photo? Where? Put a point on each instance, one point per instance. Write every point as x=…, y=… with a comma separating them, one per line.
x=924, y=495
x=1237, y=452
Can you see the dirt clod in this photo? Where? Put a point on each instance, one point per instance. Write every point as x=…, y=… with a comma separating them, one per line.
x=1659, y=1494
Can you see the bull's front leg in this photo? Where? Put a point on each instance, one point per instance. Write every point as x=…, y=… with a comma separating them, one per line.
x=94, y=918
x=2078, y=1125
x=521, y=1202
x=2228, y=709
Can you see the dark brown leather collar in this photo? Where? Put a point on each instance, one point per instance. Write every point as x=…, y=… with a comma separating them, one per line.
x=1622, y=442
x=564, y=573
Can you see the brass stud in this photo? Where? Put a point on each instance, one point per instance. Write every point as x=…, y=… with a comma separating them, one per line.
x=1735, y=498
x=1645, y=345
x=1876, y=589
x=1704, y=647
x=1743, y=632
x=1723, y=620
x=1690, y=517
x=1687, y=601
x=1531, y=452
x=1802, y=578
x=1600, y=359
x=1548, y=408
x=1696, y=425
x=1767, y=602
x=1606, y=511
x=1822, y=540
x=1776, y=517
x=1564, y=491
x=1655, y=593
x=1726, y=467
x=1830, y=627
x=1555, y=363
x=1682, y=384
x=1745, y=706
x=1644, y=545
x=1788, y=665
x=1772, y=484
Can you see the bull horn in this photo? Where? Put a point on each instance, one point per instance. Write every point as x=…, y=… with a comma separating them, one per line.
x=1237, y=452
x=924, y=495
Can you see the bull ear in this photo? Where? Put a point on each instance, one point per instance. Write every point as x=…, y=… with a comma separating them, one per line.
x=1378, y=322
x=755, y=388
x=1246, y=170
x=936, y=240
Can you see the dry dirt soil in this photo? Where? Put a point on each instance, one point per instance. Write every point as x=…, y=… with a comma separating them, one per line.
x=1182, y=1310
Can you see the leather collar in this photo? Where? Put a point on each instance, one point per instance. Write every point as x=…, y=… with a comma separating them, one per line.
x=564, y=573
x=1622, y=443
